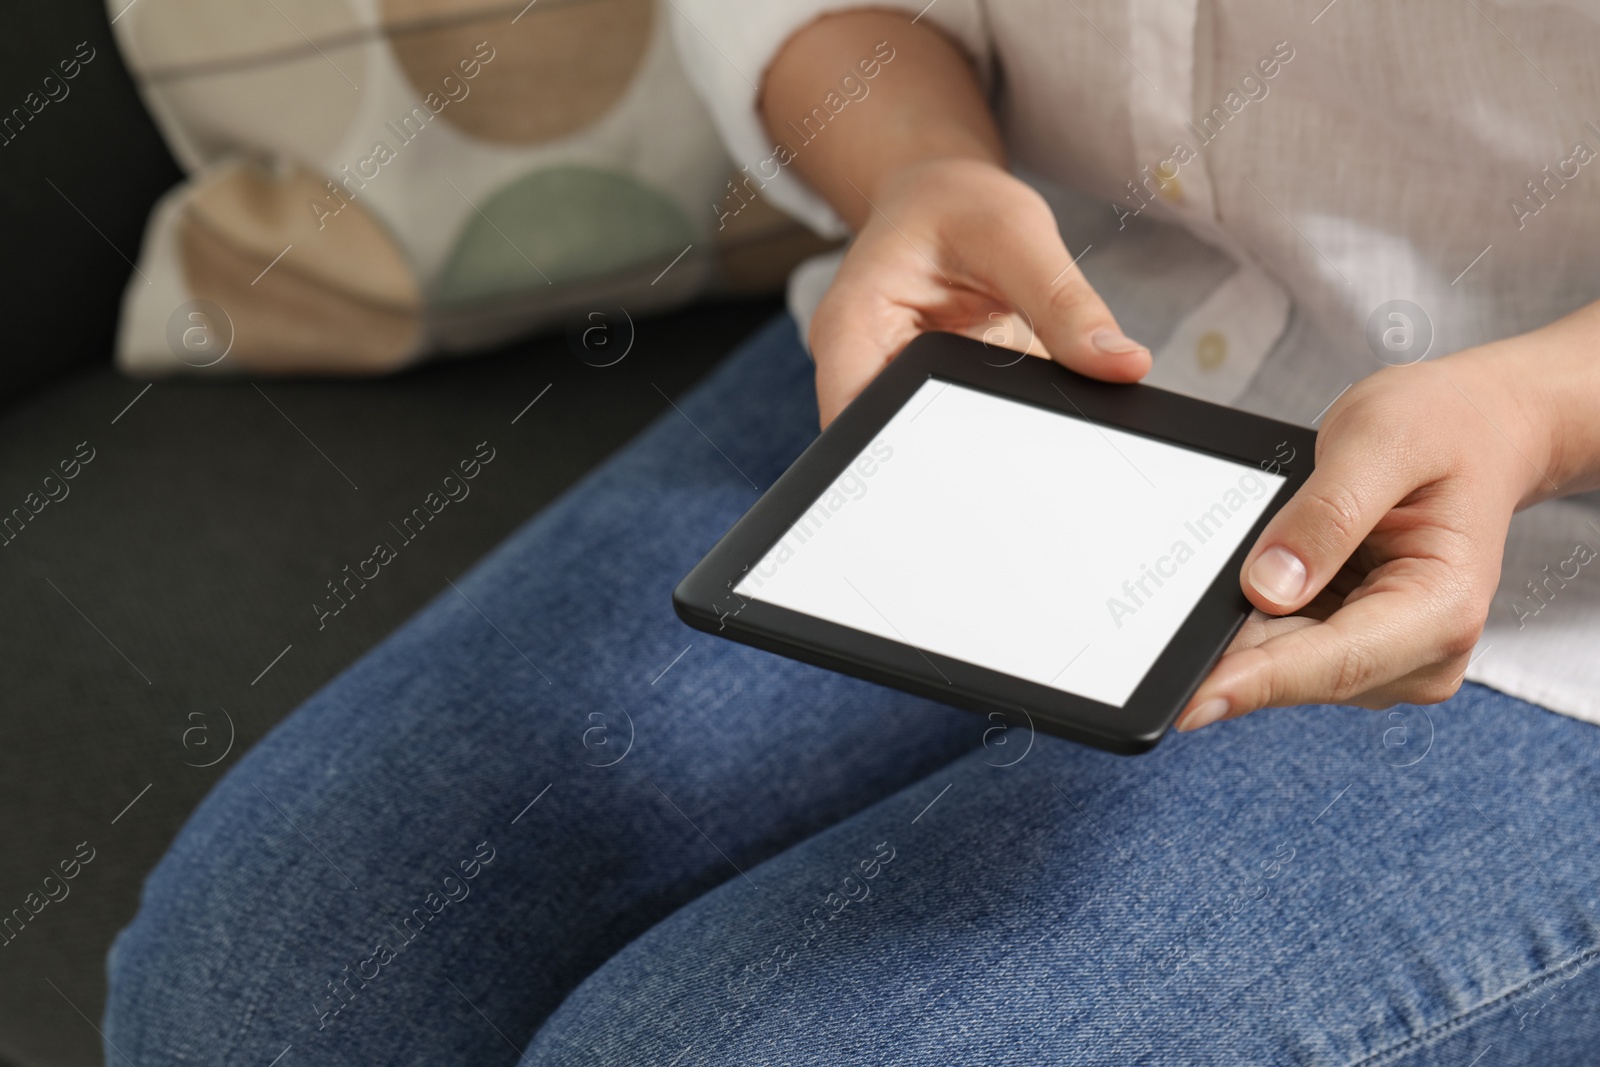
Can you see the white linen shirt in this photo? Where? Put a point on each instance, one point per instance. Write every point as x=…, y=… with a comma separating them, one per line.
x=1250, y=185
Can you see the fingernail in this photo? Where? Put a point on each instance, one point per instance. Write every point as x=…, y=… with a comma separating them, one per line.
x=1113, y=343
x=1203, y=714
x=1278, y=575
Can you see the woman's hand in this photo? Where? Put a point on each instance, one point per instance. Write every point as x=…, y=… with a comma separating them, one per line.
x=1390, y=553
x=946, y=238
x=961, y=245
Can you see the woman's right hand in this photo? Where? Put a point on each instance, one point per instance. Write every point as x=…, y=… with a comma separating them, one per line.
x=961, y=245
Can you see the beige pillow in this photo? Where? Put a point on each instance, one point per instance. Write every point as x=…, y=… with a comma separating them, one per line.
x=372, y=181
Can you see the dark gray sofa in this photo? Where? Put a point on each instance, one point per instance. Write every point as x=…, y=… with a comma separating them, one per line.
x=158, y=610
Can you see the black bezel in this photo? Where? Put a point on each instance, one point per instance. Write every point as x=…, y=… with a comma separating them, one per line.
x=706, y=601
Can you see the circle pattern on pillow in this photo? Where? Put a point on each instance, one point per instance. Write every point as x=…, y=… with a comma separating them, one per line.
x=345, y=288
x=557, y=68
x=559, y=226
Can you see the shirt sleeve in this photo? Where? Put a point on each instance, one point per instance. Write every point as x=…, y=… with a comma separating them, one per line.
x=726, y=46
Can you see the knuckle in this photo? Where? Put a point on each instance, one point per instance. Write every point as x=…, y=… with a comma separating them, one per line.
x=1459, y=614
x=1336, y=513
x=1436, y=690
x=1073, y=299
x=1373, y=407
x=1459, y=641
x=1379, y=397
x=1355, y=670
x=1267, y=684
x=1348, y=411
x=1274, y=691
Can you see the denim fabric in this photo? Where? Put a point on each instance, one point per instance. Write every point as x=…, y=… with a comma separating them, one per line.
x=545, y=822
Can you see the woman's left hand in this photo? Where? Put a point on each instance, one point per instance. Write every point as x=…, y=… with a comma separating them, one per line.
x=1373, y=583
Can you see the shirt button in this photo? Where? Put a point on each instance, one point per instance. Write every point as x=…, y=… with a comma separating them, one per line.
x=1171, y=188
x=1211, y=351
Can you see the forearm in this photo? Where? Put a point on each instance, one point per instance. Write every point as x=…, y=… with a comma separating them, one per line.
x=924, y=104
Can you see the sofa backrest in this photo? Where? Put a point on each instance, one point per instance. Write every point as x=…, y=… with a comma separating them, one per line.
x=80, y=166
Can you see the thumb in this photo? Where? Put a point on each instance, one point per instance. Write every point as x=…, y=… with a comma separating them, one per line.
x=1321, y=527
x=1036, y=273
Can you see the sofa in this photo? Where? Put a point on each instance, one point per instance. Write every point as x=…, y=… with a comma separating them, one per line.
x=173, y=543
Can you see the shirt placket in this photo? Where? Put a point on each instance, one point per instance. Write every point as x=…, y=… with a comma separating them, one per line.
x=1217, y=348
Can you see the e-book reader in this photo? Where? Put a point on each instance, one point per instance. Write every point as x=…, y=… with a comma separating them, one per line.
x=1002, y=534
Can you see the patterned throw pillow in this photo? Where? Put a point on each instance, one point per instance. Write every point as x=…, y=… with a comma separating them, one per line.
x=372, y=181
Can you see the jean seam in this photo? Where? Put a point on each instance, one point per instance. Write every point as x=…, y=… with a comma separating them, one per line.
x=1456, y=1022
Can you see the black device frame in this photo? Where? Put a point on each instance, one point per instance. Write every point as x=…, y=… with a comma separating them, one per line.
x=705, y=598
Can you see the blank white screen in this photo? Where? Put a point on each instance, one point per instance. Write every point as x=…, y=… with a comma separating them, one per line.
x=1018, y=539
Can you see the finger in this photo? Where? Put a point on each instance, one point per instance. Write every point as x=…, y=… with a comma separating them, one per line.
x=1347, y=579
x=1000, y=327
x=1429, y=685
x=1032, y=268
x=1322, y=525
x=855, y=332
x=1362, y=648
x=848, y=369
x=858, y=328
x=1259, y=628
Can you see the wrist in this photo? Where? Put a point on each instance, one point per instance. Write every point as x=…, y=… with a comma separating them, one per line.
x=1494, y=380
x=945, y=180
x=1551, y=374
x=931, y=156
x=1562, y=368
x=1511, y=385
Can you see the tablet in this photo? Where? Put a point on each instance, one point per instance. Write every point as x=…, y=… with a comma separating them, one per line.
x=1002, y=534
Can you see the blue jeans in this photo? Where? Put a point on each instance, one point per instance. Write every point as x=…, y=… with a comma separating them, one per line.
x=545, y=822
